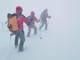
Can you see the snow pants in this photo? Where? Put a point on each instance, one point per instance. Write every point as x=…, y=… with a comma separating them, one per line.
x=22, y=39
x=44, y=22
x=29, y=30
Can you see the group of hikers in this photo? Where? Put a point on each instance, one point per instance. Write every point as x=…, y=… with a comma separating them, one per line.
x=18, y=31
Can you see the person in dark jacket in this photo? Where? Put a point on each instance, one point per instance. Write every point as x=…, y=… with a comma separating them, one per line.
x=43, y=19
x=32, y=19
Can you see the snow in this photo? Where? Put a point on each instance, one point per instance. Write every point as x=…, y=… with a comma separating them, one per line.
x=60, y=42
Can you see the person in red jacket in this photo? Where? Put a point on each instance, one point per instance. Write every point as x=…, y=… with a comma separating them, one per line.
x=20, y=34
x=32, y=19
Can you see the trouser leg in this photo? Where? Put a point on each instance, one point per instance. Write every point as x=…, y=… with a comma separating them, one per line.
x=29, y=31
x=35, y=30
x=41, y=25
x=22, y=39
x=16, y=40
x=46, y=25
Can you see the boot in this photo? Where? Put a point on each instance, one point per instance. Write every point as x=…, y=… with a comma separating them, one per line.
x=20, y=49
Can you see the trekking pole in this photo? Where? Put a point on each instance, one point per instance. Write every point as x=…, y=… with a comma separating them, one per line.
x=10, y=54
x=40, y=35
x=40, y=31
x=10, y=37
x=48, y=21
x=2, y=28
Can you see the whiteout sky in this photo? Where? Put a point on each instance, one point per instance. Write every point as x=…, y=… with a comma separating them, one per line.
x=62, y=11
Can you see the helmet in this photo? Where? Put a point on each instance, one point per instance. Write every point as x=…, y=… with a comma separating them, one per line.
x=18, y=9
x=32, y=13
x=46, y=10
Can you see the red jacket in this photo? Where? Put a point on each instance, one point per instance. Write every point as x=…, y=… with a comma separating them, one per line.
x=20, y=20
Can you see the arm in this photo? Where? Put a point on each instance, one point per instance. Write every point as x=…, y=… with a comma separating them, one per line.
x=35, y=19
x=47, y=16
x=25, y=20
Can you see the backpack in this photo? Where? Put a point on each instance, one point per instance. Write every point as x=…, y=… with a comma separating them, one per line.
x=12, y=23
x=30, y=19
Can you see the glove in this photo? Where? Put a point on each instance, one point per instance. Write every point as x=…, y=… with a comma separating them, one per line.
x=9, y=26
x=28, y=23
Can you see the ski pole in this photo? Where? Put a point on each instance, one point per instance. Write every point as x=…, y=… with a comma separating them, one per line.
x=40, y=31
x=2, y=28
x=10, y=37
x=40, y=35
x=48, y=21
